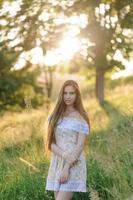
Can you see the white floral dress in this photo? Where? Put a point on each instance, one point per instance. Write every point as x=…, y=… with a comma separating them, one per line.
x=66, y=134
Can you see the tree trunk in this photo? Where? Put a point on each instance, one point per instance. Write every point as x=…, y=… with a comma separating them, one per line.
x=100, y=85
x=48, y=85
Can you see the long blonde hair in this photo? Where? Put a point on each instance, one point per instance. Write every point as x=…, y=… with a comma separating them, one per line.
x=59, y=111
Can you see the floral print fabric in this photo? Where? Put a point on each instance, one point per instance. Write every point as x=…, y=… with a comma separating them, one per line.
x=66, y=134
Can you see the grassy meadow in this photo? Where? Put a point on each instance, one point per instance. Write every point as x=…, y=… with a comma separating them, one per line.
x=23, y=164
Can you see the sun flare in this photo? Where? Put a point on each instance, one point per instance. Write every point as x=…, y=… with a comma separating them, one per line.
x=67, y=47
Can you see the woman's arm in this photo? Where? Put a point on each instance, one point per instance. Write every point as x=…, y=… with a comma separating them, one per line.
x=58, y=151
x=78, y=149
x=80, y=145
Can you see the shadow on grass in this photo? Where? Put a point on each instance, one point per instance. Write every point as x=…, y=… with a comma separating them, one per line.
x=120, y=121
x=114, y=183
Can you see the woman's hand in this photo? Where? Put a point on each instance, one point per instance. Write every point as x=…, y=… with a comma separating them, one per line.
x=64, y=174
x=70, y=158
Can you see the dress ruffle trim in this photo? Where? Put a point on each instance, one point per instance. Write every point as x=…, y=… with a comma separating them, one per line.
x=75, y=125
x=78, y=125
x=75, y=186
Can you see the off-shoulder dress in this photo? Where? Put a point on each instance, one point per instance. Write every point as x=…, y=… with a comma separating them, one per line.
x=66, y=134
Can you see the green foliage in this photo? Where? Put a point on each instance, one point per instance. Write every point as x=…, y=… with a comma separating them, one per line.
x=108, y=36
x=21, y=36
x=106, y=30
x=17, y=88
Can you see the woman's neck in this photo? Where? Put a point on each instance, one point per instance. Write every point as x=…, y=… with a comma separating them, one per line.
x=69, y=109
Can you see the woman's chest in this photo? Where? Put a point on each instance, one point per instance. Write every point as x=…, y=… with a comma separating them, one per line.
x=66, y=135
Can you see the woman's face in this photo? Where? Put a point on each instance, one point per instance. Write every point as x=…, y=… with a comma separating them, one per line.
x=69, y=95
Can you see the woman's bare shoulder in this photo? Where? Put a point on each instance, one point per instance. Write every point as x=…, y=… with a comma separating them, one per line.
x=80, y=117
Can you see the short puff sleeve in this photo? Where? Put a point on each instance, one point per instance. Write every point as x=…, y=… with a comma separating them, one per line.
x=83, y=127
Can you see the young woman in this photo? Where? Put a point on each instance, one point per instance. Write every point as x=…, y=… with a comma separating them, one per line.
x=68, y=131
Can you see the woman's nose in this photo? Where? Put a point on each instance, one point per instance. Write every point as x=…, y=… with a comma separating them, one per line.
x=68, y=96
